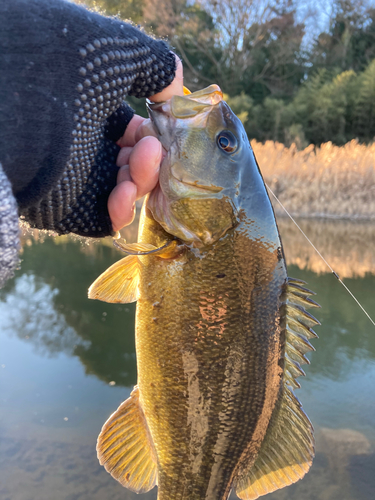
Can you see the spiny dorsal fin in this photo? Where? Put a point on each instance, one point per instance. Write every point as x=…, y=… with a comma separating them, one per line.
x=119, y=283
x=298, y=314
x=288, y=448
x=125, y=447
x=299, y=295
x=298, y=330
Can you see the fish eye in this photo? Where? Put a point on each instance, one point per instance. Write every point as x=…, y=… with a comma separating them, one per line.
x=227, y=141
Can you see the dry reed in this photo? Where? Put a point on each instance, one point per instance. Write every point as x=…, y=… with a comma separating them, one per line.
x=326, y=181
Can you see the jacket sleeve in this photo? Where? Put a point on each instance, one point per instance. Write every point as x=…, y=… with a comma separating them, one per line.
x=64, y=74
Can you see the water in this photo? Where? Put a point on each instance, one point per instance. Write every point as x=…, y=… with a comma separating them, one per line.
x=66, y=363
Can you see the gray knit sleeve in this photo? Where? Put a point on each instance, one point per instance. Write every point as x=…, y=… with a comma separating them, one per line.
x=9, y=237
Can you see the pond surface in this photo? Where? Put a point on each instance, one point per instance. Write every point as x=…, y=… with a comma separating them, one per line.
x=66, y=363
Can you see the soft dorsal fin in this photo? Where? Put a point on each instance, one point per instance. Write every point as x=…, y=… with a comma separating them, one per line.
x=125, y=447
x=286, y=453
x=288, y=448
x=119, y=283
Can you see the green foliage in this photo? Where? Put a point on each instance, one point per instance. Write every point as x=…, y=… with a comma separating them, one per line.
x=364, y=111
x=321, y=106
x=337, y=107
x=280, y=89
x=241, y=105
x=277, y=59
x=192, y=32
x=295, y=134
x=329, y=106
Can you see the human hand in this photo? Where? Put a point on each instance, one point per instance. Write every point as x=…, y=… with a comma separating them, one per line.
x=139, y=160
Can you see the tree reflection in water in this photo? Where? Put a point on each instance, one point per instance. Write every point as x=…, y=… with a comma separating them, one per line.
x=29, y=312
x=47, y=304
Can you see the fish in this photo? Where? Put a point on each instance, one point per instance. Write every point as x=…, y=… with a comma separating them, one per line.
x=221, y=330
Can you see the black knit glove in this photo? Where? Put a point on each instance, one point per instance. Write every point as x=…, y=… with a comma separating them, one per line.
x=64, y=72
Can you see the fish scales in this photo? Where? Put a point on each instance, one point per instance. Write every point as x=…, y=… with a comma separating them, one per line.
x=221, y=330
x=218, y=335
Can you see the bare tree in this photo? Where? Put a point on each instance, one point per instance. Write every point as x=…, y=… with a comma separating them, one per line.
x=224, y=39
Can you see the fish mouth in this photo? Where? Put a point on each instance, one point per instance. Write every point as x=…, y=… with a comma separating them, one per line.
x=163, y=116
x=190, y=104
x=179, y=183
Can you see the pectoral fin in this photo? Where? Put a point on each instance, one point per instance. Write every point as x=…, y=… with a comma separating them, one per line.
x=119, y=283
x=125, y=447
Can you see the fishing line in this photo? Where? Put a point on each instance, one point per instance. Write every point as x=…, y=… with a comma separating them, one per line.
x=321, y=256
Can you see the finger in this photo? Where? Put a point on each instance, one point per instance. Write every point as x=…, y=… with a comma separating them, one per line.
x=124, y=174
x=123, y=156
x=121, y=204
x=144, y=163
x=175, y=88
x=145, y=129
x=128, y=139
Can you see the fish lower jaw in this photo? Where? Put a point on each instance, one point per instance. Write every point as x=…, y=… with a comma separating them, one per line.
x=160, y=206
x=160, y=209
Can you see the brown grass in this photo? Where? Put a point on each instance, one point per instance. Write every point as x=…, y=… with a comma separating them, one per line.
x=326, y=181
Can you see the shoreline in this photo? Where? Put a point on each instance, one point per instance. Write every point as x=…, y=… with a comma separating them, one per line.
x=346, y=244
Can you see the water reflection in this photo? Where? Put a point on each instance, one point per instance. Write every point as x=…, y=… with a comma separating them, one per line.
x=61, y=318
x=104, y=333
x=82, y=343
x=348, y=246
x=29, y=312
x=346, y=334
x=51, y=469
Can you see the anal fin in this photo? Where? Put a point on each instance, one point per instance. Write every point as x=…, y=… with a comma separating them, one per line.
x=125, y=447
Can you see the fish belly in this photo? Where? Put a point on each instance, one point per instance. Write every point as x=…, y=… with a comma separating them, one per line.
x=209, y=353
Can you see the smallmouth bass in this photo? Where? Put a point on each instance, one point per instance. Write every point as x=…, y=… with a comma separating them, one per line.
x=221, y=331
